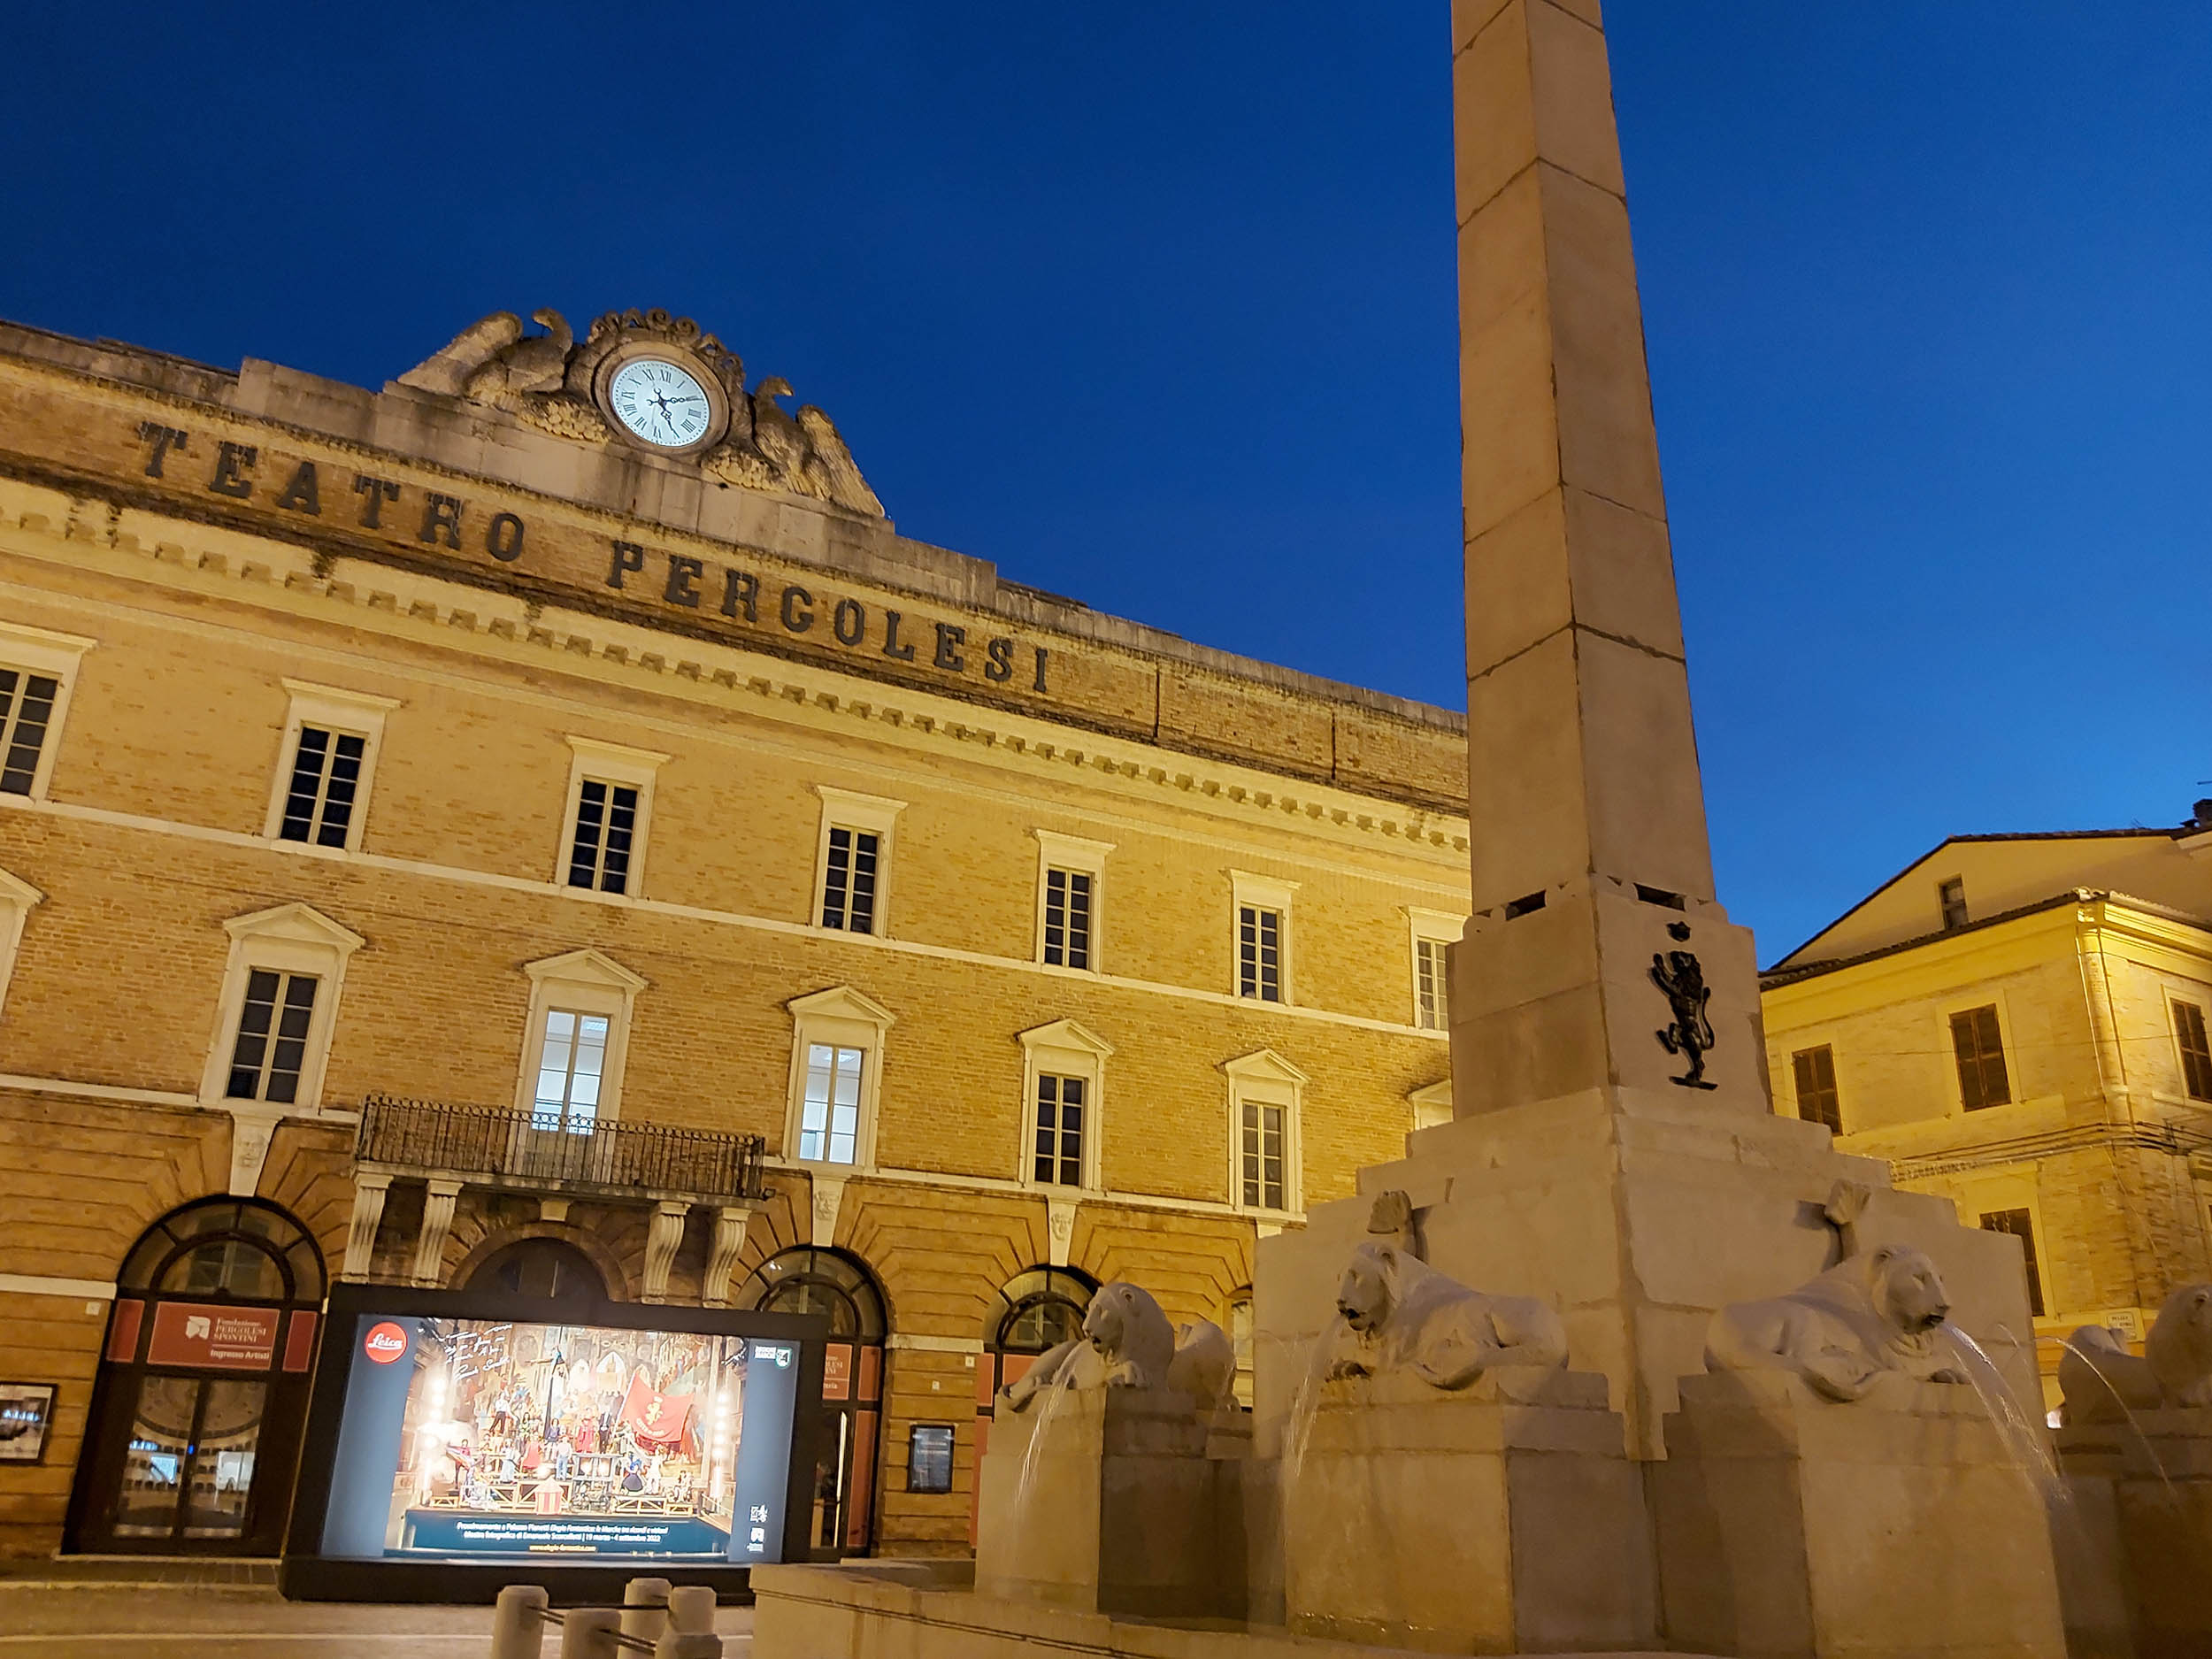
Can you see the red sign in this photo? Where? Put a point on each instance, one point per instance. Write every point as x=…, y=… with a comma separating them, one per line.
x=837, y=1371
x=211, y=1335
x=385, y=1342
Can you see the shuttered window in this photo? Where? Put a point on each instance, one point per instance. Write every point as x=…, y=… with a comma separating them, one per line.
x=1980, y=1050
x=2021, y=1225
x=2196, y=1056
x=1816, y=1099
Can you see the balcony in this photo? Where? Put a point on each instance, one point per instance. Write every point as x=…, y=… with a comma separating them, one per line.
x=641, y=1163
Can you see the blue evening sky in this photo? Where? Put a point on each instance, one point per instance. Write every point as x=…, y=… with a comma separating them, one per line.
x=1153, y=305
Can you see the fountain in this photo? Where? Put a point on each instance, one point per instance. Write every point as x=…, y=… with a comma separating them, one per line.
x=1635, y=1435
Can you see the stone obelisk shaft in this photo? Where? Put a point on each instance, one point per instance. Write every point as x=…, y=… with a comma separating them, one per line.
x=1587, y=816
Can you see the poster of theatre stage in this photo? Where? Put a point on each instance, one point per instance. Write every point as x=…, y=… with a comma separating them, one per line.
x=472, y=1438
x=26, y=1410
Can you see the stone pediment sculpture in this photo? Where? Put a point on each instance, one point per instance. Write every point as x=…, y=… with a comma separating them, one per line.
x=1128, y=1343
x=2103, y=1382
x=569, y=390
x=1869, y=1316
x=1402, y=1315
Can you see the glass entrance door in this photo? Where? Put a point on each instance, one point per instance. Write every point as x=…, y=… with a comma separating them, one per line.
x=189, y=1466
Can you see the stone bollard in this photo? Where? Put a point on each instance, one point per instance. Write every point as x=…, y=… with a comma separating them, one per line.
x=590, y=1632
x=689, y=1644
x=519, y=1621
x=645, y=1609
x=691, y=1609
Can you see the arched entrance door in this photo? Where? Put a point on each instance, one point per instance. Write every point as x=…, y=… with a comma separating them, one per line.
x=195, y=1420
x=838, y=1286
x=1036, y=1310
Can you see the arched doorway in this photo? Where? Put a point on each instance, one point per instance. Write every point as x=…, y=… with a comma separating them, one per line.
x=196, y=1419
x=840, y=1286
x=540, y=1269
x=1036, y=1310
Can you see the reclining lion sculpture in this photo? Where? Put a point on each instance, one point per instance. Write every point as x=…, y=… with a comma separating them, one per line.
x=1128, y=1343
x=2102, y=1381
x=1865, y=1318
x=1399, y=1314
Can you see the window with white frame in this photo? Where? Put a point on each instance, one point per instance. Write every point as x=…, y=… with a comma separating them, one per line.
x=1431, y=1105
x=854, y=861
x=1071, y=879
x=1265, y=1090
x=610, y=808
x=1261, y=905
x=321, y=791
x=575, y=1040
x=836, y=1078
x=17, y=896
x=1064, y=1072
x=278, y=1007
x=1432, y=933
x=38, y=669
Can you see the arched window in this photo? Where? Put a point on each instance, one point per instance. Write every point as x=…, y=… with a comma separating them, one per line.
x=1038, y=1309
x=839, y=1287
x=201, y=1396
x=548, y=1268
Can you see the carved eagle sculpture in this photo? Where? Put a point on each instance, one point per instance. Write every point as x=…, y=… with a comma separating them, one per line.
x=493, y=359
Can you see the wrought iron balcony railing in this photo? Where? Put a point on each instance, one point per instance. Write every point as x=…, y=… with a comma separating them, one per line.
x=525, y=1151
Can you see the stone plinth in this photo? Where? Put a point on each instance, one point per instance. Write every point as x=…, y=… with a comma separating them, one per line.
x=1124, y=1512
x=1898, y=1526
x=1504, y=1518
x=2135, y=1543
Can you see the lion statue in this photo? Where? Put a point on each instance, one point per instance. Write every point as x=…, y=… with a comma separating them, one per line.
x=1866, y=1317
x=1205, y=1364
x=2102, y=1381
x=1126, y=1343
x=1400, y=1314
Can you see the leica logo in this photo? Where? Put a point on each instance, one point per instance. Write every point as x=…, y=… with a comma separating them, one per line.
x=385, y=1343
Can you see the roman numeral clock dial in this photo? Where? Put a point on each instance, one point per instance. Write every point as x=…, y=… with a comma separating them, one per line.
x=659, y=403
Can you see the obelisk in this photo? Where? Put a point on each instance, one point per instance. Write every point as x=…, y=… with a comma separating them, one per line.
x=1587, y=823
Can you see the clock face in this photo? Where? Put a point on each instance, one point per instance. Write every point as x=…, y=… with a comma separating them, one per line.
x=659, y=403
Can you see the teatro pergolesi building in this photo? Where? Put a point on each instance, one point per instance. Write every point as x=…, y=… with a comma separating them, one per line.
x=539, y=828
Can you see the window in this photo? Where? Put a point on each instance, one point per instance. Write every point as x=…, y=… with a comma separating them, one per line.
x=1432, y=1104
x=1432, y=935
x=1264, y=1095
x=855, y=861
x=1063, y=1073
x=1070, y=873
x=1816, y=1099
x=610, y=805
x=836, y=1078
x=575, y=1040
x=277, y=1007
x=17, y=896
x=37, y=669
x=1951, y=895
x=331, y=736
x=2196, y=1056
x=572, y=1065
x=273, y=1023
x=1262, y=909
x=1058, y=1159
x=2021, y=1226
x=1237, y=1325
x=1980, y=1048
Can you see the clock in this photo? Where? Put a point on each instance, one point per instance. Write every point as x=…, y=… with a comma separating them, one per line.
x=661, y=404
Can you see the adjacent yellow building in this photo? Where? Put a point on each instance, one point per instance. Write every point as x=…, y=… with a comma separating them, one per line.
x=2019, y=1023
x=539, y=825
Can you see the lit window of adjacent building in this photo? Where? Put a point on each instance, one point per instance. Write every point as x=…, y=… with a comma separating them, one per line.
x=1264, y=1091
x=610, y=808
x=273, y=1023
x=836, y=1078
x=856, y=861
x=1978, y=1046
x=1063, y=1073
x=1262, y=910
x=1815, y=1070
x=1238, y=1327
x=17, y=898
x=575, y=1040
x=1070, y=873
x=2196, y=1054
x=1951, y=896
x=331, y=737
x=1432, y=933
x=2021, y=1225
x=37, y=669
x=278, y=1007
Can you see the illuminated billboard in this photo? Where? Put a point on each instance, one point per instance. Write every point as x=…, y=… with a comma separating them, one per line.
x=620, y=1436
